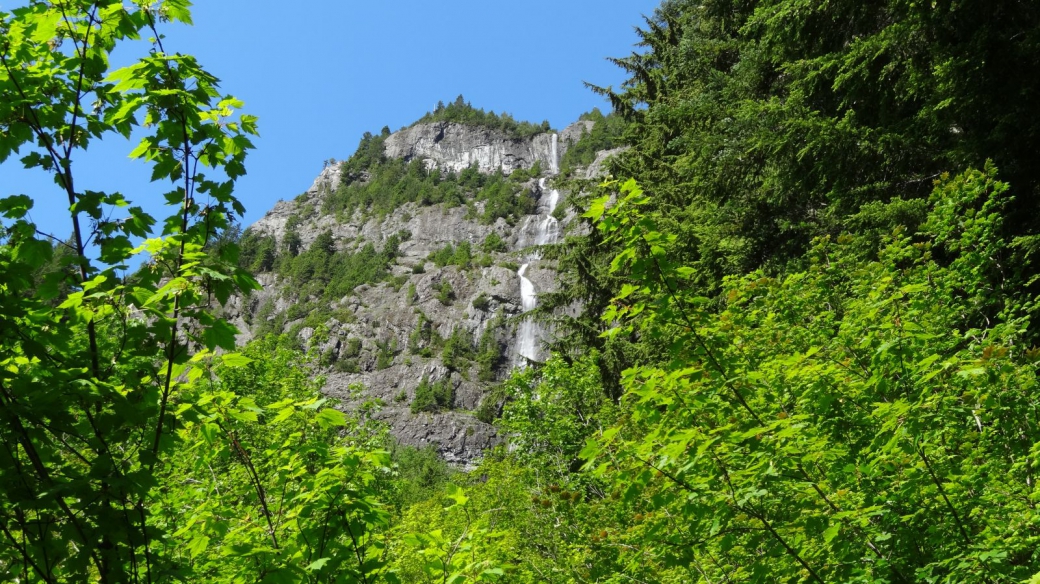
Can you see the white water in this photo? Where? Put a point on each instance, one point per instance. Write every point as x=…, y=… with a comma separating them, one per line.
x=527, y=336
x=548, y=228
x=547, y=232
x=554, y=164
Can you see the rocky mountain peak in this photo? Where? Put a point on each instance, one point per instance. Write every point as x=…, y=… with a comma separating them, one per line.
x=452, y=146
x=408, y=273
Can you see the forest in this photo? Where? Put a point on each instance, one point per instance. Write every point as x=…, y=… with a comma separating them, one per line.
x=805, y=349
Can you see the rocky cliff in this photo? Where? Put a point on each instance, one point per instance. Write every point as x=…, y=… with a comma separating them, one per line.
x=454, y=330
x=452, y=146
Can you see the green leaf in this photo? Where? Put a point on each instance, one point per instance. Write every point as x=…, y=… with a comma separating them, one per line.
x=456, y=494
x=220, y=334
x=331, y=418
x=34, y=252
x=317, y=565
x=197, y=545
x=831, y=532
x=235, y=360
x=597, y=208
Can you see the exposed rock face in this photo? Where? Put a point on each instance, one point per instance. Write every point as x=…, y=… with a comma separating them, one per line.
x=382, y=332
x=452, y=146
x=598, y=167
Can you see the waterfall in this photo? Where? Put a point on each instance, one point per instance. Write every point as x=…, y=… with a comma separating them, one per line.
x=547, y=231
x=548, y=227
x=554, y=163
x=527, y=336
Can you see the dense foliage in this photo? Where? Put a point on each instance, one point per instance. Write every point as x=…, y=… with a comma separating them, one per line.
x=762, y=125
x=886, y=438
x=95, y=367
x=135, y=447
x=805, y=349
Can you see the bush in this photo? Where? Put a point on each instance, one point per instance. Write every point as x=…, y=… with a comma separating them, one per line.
x=299, y=310
x=386, y=353
x=490, y=408
x=445, y=293
x=560, y=212
x=482, y=302
x=347, y=366
x=421, y=474
x=606, y=134
x=493, y=243
x=291, y=243
x=424, y=338
x=443, y=256
x=353, y=348
x=458, y=350
x=460, y=255
x=258, y=252
x=433, y=397
x=392, y=183
x=325, y=271
x=489, y=356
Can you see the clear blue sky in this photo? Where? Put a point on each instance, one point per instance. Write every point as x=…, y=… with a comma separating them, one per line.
x=321, y=73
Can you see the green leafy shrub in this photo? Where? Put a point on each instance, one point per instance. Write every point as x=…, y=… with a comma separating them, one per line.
x=421, y=474
x=347, y=366
x=873, y=404
x=458, y=349
x=489, y=355
x=606, y=134
x=385, y=354
x=460, y=255
x=493, y=243
x=482, y=302
x=353, y=348
x=424, y=339
x=392, y=183
x=445, y=292
x=326, y=272
x=258, y=252
x=433, y=397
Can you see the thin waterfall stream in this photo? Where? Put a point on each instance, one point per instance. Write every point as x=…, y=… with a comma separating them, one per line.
x=530, y=333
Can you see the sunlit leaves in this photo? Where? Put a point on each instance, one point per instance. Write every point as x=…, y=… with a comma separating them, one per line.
x=817, y=424
x=102, y=360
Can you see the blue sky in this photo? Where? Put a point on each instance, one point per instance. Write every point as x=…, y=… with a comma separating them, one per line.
x=319, y=74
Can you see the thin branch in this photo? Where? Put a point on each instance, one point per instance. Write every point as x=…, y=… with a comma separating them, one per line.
x=41, y=471
x=25, y=552
x=357, y=551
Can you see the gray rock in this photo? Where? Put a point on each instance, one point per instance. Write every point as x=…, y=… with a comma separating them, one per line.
x=372, y=340
x=598, y=167
x=452, y=146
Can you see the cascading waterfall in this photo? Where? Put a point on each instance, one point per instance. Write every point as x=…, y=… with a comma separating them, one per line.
x=527, y=335
x=554, y=163
x=547, y=232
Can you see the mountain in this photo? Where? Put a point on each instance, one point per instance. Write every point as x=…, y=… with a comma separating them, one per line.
x=409, y=266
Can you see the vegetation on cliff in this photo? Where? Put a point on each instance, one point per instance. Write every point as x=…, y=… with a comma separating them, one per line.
x=805, y=352
x=461, y=111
